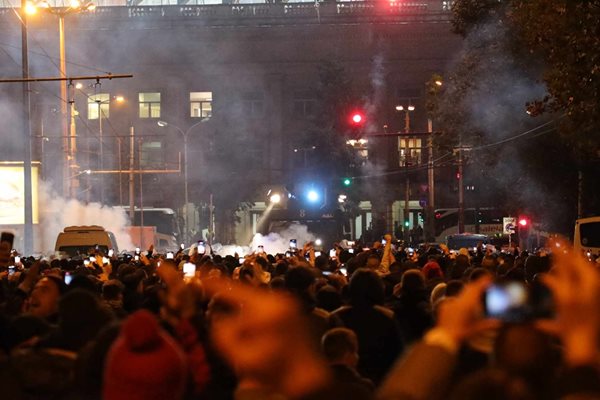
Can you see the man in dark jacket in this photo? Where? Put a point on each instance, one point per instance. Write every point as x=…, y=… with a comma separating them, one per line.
x=378, y=333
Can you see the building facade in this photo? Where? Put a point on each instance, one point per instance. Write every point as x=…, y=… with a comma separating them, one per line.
x=250, y=73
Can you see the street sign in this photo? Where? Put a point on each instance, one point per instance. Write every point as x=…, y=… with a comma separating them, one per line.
x=509, y=225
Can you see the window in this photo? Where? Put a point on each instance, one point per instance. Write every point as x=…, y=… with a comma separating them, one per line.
x=447, y=5
x=409, y=151
x=98, y=103
x=253, y=104
x=200, y=104
x=149, y=105
x=152, y=155
x=304, y=105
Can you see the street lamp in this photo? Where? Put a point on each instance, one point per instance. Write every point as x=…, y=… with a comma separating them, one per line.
x=185, y=134
x=407, y=111
x=69, y=149
x=118, y=99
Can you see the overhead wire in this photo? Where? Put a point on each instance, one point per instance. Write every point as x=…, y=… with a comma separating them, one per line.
x=437, y=164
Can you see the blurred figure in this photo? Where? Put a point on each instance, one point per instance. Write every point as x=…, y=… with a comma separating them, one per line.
x=379, y=337
x=340, y=347
x=144, y=363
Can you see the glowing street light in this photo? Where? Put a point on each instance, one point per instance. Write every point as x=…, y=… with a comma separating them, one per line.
x=30, y=8
x=312, y=196
x=69, y=141
x=275, y=198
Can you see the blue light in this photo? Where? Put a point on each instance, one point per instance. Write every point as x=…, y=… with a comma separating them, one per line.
x=312, y=196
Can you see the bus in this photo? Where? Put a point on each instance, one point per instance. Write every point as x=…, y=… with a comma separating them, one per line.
x=485, y=221
x=586, y=238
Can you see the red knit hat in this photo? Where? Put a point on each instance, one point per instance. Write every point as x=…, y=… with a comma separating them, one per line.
x=144, y=363
x=432, y=270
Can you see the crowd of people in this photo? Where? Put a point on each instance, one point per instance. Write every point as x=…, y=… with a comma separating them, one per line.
x=378, y=323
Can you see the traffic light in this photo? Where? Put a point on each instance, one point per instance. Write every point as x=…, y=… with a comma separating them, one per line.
x=523, y=222
x=347, y=181
x=357, y=118
x=406, y=223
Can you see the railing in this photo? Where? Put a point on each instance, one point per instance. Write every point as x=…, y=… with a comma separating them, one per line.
x=423, y=10
x=405, y=5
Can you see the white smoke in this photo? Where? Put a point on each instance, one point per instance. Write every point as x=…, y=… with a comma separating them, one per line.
x=56, y=213
x=279, y=242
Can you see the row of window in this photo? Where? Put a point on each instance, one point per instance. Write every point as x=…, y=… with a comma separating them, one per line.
x=201, y=105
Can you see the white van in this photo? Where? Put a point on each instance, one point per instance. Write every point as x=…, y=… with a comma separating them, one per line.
x=81, y=240
x=587, y=236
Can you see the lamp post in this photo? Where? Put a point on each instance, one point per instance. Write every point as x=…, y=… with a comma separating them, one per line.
x=69, y=141
x=185, y=169
x=407, y=110
x=118, y=99
x=28, y=203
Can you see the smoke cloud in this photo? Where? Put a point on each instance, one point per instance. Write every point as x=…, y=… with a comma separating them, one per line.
x=56, y=213
x=280, y=242
x=273, y=243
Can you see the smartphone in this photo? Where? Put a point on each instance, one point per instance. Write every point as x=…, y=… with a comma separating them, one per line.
x=169, y=255
x=261, y=249
x=293, y=244
x=111, y=252
x=105, y=260
x=137, y=250
x=241, y=260
x=11, y=270
x=507, y=302
x=68, y=278
x=344, y=271
x=326, y=273
x=8, y=238
x=332, y=253
x=136, y=258
x=17, y=259
x=93, y=259
x=317, y=253
x=351, y=251
x=351, y=243
x=201, y=249
x=383, y=242
x=288, y=254
x=189, y=270
x=86, y=262
x=182, y=246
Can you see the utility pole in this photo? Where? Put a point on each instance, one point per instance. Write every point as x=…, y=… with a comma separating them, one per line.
x=131, y=174
x=28, y=212
x=211, y=220
x=461, y=194
x=73, y=166
x=430, y=226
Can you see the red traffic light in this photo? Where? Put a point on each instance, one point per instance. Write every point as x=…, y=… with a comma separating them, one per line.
x=523, y=222
x=357, y=118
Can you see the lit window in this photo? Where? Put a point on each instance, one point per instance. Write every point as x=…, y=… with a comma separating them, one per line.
x=409, y=152
x=200, y=104
x=98, y=103
x=447, y=5
x=149, y=105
